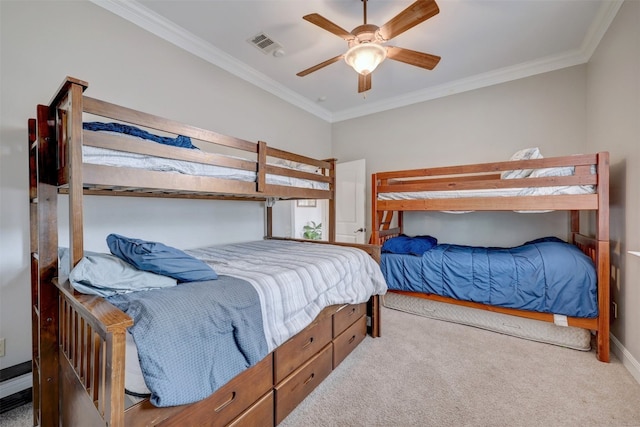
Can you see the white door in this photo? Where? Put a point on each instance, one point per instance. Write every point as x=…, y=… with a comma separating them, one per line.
x=350, y=201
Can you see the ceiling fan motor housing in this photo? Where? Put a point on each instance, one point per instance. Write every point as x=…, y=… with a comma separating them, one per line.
x=366, y=33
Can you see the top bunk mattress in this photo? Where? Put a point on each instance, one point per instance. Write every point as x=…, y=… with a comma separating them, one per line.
x=116, y=158
x=501, y=192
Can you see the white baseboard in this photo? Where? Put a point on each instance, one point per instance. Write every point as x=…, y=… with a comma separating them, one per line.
x=627, y=359
x=15, y=385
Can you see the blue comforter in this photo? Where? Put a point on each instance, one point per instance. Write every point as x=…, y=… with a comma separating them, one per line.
x=548, y=276
x=195, y=337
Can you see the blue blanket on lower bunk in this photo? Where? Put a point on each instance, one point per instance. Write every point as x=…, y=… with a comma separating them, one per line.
x=195, y=337
x=547, y=275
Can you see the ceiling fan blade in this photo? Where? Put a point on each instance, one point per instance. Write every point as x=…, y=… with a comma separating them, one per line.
x=364, y=82
x=325, y=24
x=411, y=57
x=413, y=15
x=320, y=65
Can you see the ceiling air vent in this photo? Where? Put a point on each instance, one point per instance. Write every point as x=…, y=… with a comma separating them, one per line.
x=265, y=43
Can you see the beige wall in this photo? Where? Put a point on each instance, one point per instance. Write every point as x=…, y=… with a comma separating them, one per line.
x=613, y=99
x=42, y=42
x=546, y=111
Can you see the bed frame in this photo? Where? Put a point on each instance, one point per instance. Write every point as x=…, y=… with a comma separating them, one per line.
x=387, y=215
x=79, y=340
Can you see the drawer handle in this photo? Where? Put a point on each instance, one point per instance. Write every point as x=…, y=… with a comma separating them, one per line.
x=353, y=310
x=310, y=378
x=226, y=403
x=308, y=343
x=352, y=339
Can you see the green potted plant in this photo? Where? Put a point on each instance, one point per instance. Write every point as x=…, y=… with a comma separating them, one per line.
x=312, y=231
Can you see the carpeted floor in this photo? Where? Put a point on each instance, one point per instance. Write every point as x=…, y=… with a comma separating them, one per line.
x=19, y=417
x=425, y=372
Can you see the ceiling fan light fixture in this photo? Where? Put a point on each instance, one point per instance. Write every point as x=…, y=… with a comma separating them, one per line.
x=365, y=57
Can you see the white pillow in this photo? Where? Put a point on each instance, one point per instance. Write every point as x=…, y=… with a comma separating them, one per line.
x=106, y=275
x=524, y=154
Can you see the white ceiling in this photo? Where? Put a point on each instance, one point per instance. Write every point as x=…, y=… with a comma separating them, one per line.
x=481, y=42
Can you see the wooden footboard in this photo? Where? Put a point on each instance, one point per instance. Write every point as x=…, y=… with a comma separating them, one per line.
x=91, y=335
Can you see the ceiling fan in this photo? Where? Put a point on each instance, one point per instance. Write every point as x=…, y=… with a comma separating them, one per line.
x=366, y=50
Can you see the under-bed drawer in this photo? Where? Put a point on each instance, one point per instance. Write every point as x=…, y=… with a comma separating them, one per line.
x=260, y=414
x=348, y=340
x=346, y=316
x=229, y=401
x=298, y=385
x=293, y=353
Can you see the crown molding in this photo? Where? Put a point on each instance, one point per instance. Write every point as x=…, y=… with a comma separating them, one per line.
x=156, y=24
x=598, y=28
x=167, y=30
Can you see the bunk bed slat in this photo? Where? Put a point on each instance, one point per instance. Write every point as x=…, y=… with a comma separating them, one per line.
x=453, y=184
x=493, y=167
x=516, y=203
x=129, y=177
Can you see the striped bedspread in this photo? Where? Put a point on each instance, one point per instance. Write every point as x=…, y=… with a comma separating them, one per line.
x=296, y=280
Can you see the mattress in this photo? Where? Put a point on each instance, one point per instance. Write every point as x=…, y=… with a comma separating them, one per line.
x=535, y=330
x=502, y=192
x=294, y=281
x=116, y=158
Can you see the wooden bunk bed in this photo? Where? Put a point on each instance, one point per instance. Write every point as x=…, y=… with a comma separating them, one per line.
x=452, y=189
x=79, y=339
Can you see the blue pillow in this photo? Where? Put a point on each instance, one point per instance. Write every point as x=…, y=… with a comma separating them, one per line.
x=544, y=240
x=160, y=259
x=402, y=244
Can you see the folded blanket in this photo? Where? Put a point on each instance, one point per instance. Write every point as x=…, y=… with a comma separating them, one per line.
x=179, y=141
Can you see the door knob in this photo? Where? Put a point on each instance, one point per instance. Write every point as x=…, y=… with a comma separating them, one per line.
x=360, y=230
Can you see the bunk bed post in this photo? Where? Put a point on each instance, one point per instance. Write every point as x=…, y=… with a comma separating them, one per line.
x=71, y=132
x=44, y=267
x=603, y=257
x=269, y=219
x=375, y=220
x=260, y=185
x=574, y=223
x=332, y=201
x=262, y=164
x=33, y=249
